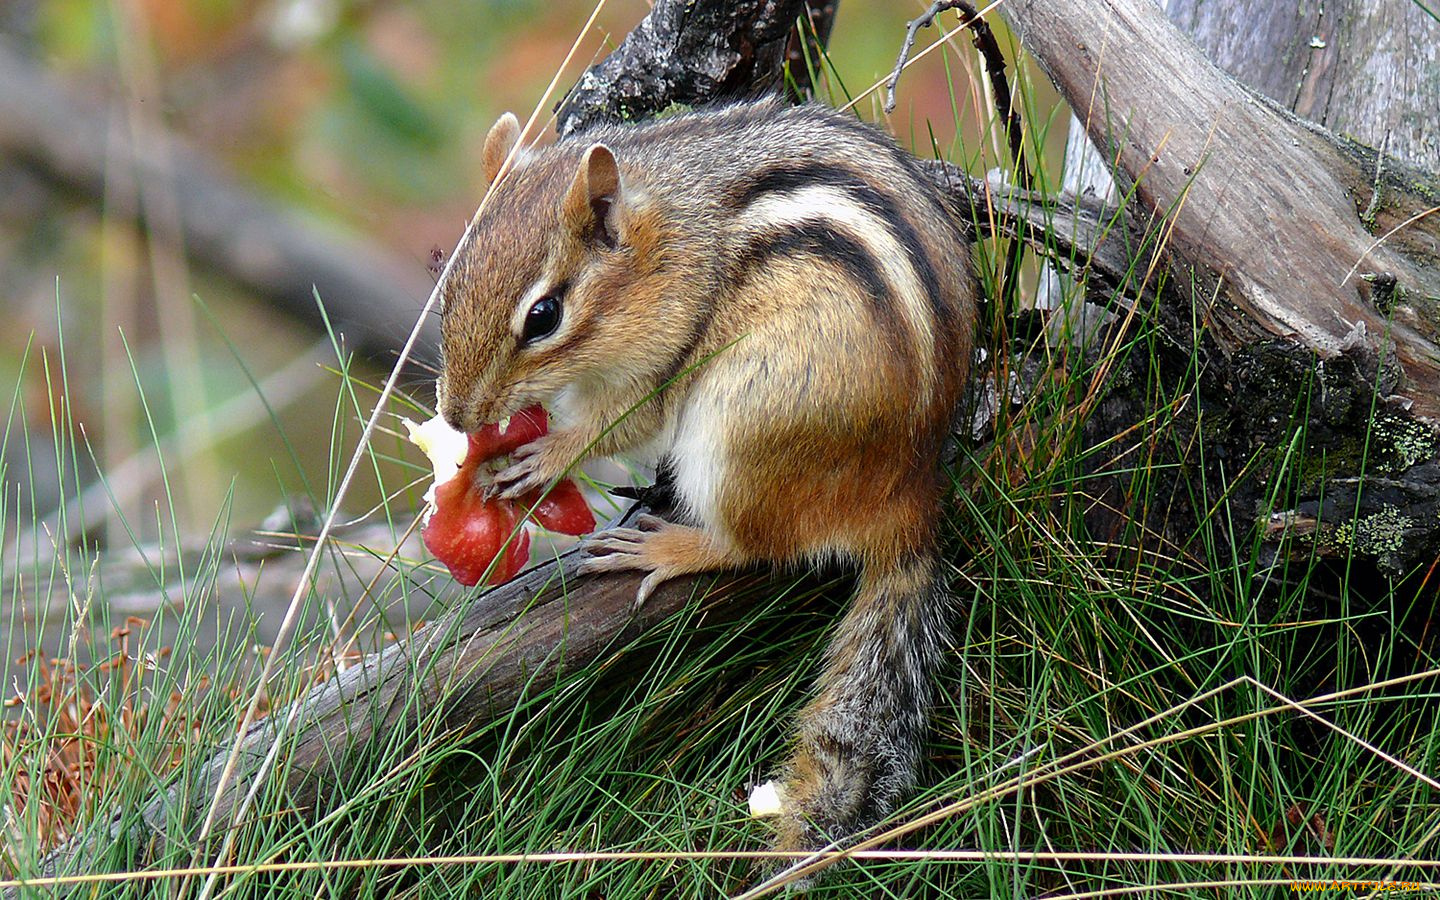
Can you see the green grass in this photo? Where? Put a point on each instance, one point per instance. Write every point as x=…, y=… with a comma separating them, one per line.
x=1120, y=711
x=1101, y=700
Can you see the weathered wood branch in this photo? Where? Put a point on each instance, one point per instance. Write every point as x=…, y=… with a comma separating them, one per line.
x=1357, y=67
x=1265, y=211
x=1302, y=283
x=370, y=295
x=1105, y=247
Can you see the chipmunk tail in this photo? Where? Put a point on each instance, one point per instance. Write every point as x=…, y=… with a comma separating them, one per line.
x=860, y=740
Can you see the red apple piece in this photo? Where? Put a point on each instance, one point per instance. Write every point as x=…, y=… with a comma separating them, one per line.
x=466, y=533
x=493, y=440
x=563, y=509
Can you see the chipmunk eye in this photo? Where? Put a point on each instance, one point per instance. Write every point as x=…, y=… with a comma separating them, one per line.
x=542, y=319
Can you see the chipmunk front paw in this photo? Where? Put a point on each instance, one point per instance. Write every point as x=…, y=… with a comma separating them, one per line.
x=653, y=545
x=535, y=466
x=638, y=549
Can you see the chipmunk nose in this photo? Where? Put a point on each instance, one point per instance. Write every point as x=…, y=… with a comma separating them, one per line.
x=451, y=408
x=460, y=416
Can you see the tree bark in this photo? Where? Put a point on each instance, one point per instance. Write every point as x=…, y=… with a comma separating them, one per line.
x=695, y=53
x=1304, y=269
x=1370, y=71
x=1265, y=211
x=1365, y=68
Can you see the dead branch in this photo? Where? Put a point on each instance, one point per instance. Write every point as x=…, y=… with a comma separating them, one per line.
x=693, y=52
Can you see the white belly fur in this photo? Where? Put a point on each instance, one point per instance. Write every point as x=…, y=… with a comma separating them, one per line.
x=698, y=452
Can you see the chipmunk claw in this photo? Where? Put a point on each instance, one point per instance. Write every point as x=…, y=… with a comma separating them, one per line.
x=621, y=549
x=630, y=550
x=519, y=478
x=648, y=585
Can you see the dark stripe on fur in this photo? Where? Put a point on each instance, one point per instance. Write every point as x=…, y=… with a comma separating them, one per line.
x=790, y=177
x=817, y=239
x=682, y=358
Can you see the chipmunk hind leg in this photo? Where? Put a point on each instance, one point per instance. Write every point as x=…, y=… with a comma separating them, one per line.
x=860, y=739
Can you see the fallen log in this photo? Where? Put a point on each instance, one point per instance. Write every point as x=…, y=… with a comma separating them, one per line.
x=456, y=674
x=1275, y=224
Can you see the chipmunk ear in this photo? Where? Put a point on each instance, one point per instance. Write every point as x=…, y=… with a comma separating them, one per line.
x=593, y=202
x=503, y=136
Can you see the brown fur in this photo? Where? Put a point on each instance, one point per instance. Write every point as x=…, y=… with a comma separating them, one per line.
x=780, y=292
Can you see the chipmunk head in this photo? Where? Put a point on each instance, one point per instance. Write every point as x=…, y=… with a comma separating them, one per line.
x=548, y=289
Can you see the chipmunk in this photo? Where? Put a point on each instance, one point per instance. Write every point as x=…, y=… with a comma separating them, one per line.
x=774, y=302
